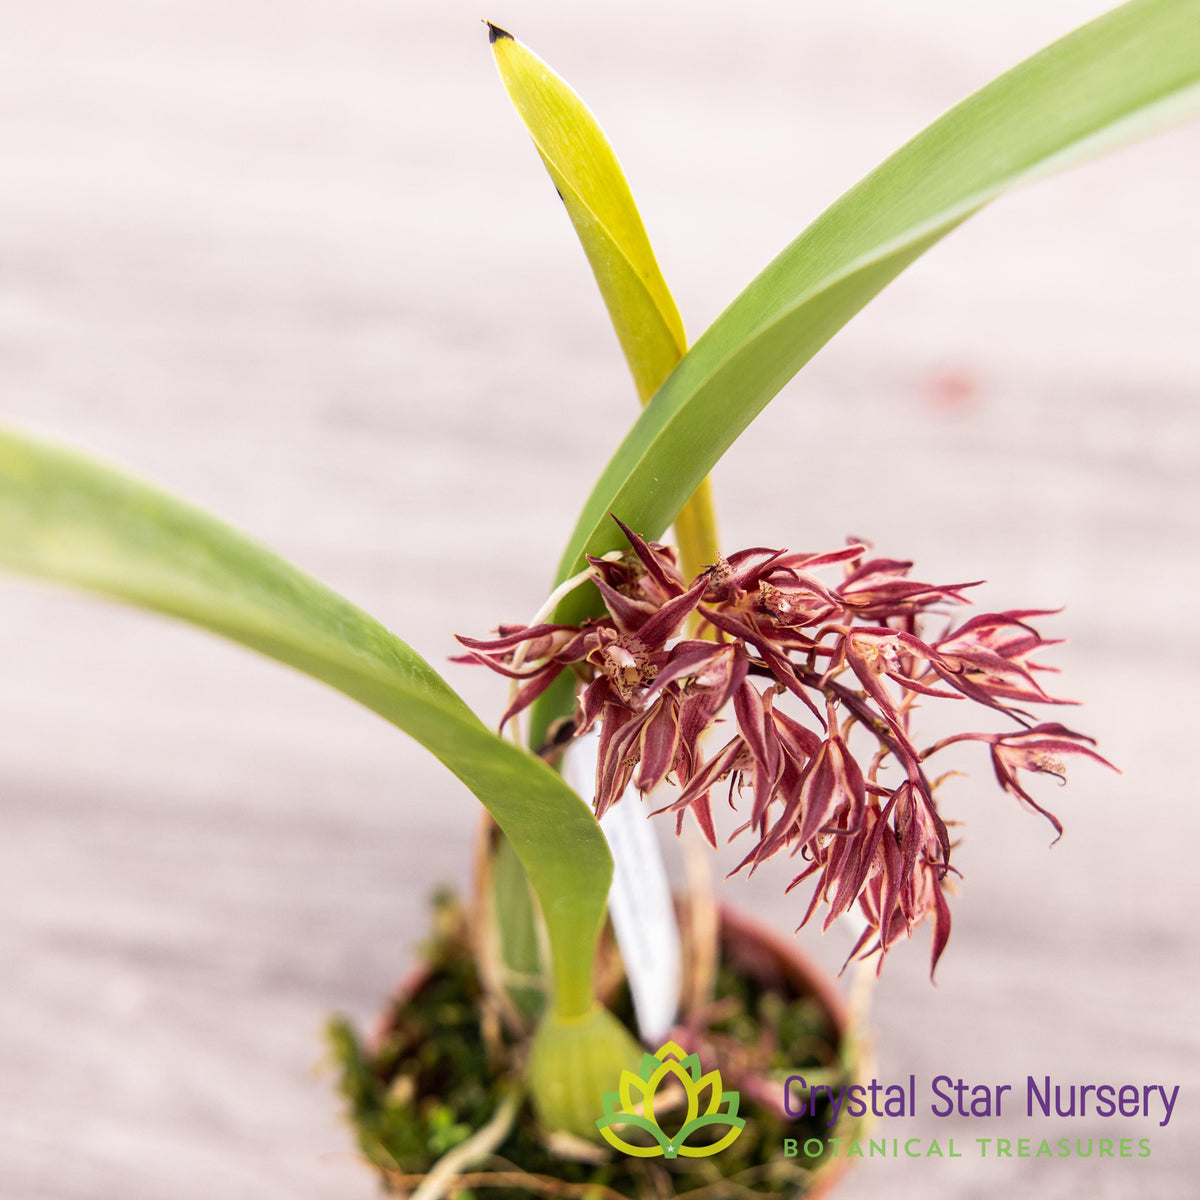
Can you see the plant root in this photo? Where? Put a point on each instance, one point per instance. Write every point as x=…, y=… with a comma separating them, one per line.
x=474, y=1150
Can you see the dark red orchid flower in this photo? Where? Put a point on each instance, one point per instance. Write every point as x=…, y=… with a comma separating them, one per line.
x=757, y=632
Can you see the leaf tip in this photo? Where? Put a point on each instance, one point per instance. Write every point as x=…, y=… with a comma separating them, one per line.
x=495, y=33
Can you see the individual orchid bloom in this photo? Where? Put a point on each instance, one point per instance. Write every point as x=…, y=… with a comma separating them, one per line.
x=735, y=577
x=646, y=742
x=831, y=787
x=874, y=654
x=851, y=659
x=891, y=866
x=705, y=675
x=650, y=574
x=790, y=599
x=893, y=914
x=740, y=574
x=631, y=661
x=773, y=591
x=819, y=784
x=1041, y=750
x=537, y=654
x=880, y=589
x=987, y=660
x=537, y=644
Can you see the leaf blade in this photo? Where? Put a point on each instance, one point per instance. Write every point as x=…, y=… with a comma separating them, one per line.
x=69, y=520
x=1128, y=72
x=598, y=200
x=600, y=204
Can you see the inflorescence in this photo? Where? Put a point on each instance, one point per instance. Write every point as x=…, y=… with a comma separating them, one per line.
x=855, y=655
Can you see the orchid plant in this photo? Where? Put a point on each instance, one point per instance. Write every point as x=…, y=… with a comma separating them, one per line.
x=653, y=644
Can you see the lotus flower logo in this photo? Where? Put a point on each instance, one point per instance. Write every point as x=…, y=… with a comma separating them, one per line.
x=704, y=1095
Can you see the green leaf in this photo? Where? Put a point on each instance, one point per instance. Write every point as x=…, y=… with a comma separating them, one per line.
x=592, y=186
x=70, y=520
x=1127, y=74
x=516, y=930
x=598, y=200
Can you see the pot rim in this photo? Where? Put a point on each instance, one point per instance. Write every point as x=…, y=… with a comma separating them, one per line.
x=801, y=966
x=796, y=964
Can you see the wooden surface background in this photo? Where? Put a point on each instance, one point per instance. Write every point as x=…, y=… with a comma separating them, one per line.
x=298, y=262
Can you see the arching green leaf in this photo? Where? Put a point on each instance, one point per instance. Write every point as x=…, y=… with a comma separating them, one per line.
x=67, y=519
x=1124, y=75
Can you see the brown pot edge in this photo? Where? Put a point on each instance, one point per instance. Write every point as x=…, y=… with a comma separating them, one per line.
x=802, y=967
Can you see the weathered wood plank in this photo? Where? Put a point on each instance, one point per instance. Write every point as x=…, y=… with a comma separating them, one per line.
x=300, y=264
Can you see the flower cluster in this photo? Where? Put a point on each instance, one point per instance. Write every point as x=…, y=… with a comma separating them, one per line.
x=854, y=656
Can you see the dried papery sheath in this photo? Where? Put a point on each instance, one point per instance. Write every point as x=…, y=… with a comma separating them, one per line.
x=837, y=781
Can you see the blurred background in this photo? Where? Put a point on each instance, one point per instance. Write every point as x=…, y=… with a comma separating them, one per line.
x=299, y=263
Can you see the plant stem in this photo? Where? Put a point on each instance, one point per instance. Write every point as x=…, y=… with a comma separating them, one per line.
x=696, y=537
x=696, y=532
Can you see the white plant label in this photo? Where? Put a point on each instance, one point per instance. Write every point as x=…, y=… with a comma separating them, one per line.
x=639, y=903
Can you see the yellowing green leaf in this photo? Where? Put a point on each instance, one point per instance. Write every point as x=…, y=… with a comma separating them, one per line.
x=593, y=188
x=598, y=200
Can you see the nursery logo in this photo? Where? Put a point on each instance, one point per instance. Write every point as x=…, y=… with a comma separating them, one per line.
x=662, y=1076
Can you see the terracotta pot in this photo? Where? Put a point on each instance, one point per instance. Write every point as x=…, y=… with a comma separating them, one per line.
x=769, y=956
x=774, y=961
x=760, y=950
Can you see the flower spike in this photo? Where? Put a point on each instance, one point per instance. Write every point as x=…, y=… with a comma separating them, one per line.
x=857, y=656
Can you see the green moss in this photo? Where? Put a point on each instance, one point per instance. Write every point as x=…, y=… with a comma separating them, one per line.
x=436, y=1078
